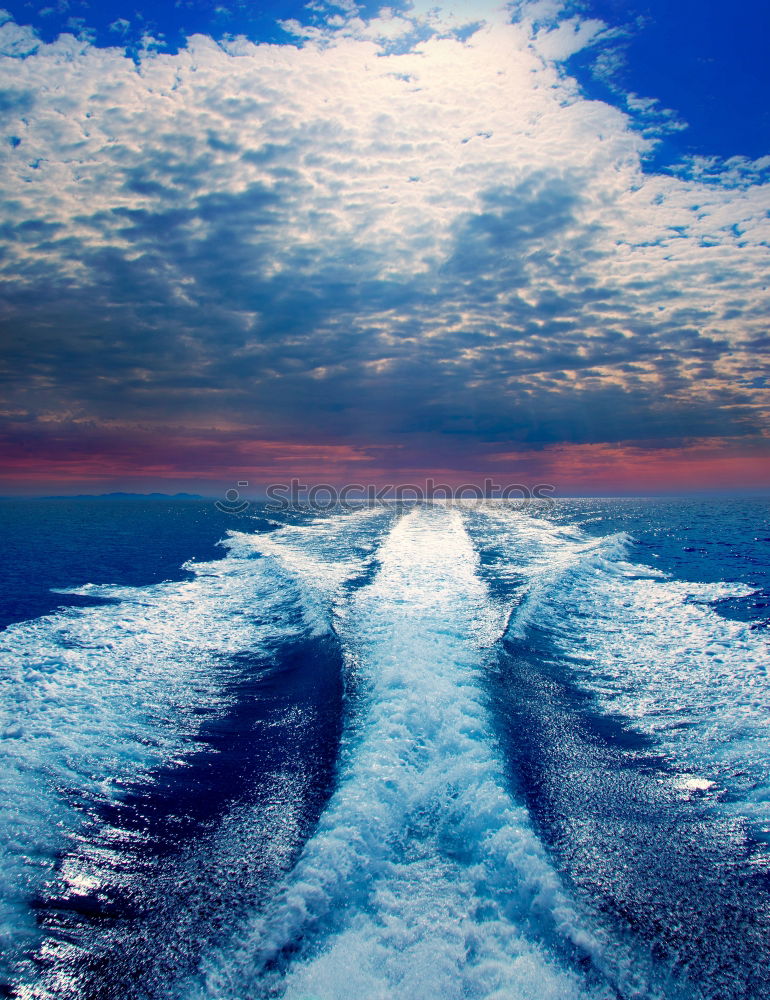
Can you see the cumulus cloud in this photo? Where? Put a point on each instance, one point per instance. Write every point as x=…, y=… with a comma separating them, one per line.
x=393, y=232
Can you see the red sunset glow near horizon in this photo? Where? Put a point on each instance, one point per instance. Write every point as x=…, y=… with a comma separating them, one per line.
x=205, y=466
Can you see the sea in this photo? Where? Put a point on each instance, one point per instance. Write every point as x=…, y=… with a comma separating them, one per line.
x=450, y=751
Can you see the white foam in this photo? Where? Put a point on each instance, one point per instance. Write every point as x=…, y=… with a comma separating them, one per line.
x=692, y=783
x=93, y=698
x=322, y=555
x=424, y=878
x=651, y=648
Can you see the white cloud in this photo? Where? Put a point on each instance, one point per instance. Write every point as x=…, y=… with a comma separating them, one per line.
x=15, y=39
x=483, y=223
x=568, y=37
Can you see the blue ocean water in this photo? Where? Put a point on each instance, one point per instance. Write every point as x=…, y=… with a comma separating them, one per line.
x=470, y=751
x=50, y=544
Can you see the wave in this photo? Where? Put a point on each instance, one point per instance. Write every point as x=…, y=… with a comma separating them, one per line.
x=424, y=877
x=324, y=557
x=405, y=859
x=631, y=715
x=653, y=651
x=102, y=705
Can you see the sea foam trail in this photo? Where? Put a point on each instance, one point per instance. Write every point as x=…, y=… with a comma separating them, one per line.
x=324, y=557
x=202, y=825
x=424, y=878
x=652, y=650
x=600, y=655
x=96, y=701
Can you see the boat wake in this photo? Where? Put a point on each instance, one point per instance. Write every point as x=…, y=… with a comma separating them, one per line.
x=414, y=752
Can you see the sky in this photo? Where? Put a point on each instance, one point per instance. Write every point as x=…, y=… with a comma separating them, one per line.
x=361, y=244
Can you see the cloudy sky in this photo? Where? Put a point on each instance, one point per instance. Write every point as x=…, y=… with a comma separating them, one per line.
x=243, y=241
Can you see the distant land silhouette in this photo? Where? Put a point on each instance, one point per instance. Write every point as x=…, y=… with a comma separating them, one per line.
x=118, y=496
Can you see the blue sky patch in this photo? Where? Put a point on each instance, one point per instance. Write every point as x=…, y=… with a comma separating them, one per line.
x=699, y=59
